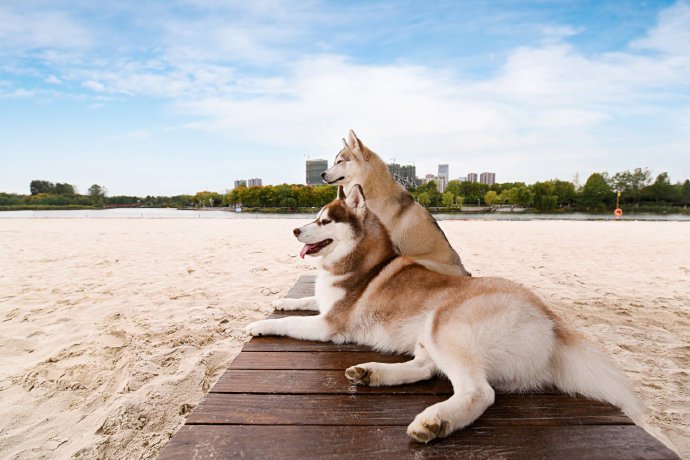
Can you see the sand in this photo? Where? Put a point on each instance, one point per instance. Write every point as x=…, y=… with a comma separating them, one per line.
x=112, y=330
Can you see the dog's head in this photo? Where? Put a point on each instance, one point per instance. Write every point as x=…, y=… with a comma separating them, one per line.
x=337, y=228
x=349, y=162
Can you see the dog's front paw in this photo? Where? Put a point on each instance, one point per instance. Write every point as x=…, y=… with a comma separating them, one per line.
x=258, y=328
x=426, y=428
x=361, y=375
x=278, y=304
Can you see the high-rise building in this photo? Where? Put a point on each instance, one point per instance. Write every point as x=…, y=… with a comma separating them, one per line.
x=255, y=182
x=488, y=178
x=472, y=177
x=314, y=170
x=441, y=183
x=443, y=172
x=406, y=174
x=462, y=179
x=240, y=183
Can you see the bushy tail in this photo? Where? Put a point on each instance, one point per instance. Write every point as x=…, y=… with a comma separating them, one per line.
x=581, y=367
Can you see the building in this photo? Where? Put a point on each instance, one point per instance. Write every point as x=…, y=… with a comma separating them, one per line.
x=240, y=183
x=255, y=182
x=462, y=179
x=472, y=177
x=314, y=170
x=441, y=183
x=488, y=178
x=443, y=172
x=406, y=174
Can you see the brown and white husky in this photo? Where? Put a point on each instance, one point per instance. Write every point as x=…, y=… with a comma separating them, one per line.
x=482, y=333
x=412, y=229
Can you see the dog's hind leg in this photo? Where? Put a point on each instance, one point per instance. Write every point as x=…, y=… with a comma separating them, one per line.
x=305, y=303
x=472, y=394
x=385, y=374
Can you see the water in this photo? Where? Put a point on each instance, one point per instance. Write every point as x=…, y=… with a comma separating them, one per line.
x=170, y=213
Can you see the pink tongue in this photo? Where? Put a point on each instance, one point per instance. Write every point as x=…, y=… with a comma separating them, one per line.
x=305, y=249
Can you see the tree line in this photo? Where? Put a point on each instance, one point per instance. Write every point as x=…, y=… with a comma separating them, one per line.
x=639, y=192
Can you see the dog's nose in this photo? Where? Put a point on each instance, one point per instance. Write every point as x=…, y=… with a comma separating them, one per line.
x=297, y=231
x=323, y=175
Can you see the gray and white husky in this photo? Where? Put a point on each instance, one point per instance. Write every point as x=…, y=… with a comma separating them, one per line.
x=482, y=333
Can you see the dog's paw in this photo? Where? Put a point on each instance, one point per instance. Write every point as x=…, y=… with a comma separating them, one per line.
x=278, y=304
x=425, y=429
x=361, y=375
x=258, y=328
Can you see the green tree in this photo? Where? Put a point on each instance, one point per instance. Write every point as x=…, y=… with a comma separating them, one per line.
x=424, y=199
x=596, y=194
x=97, y=195
x=490, y=197
x=448, y=199
x=41, y=186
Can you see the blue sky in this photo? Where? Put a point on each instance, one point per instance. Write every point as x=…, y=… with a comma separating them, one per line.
x=179, y=96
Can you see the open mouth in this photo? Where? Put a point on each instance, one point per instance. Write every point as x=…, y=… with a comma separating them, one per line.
x=334, y=181
x=311, y=249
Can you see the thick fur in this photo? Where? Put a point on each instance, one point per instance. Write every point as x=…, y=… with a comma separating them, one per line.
x=482, y=333
x=412, y=229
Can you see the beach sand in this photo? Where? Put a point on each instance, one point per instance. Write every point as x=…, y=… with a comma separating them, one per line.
x=112, y=330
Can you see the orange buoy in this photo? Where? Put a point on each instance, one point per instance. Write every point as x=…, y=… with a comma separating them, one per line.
x=618, y=213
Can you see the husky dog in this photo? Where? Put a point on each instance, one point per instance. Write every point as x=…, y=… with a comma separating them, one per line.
x=482, y=333
x=413, y=230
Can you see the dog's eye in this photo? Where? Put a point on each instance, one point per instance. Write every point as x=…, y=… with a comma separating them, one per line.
x=339, y=161
x=325, y=221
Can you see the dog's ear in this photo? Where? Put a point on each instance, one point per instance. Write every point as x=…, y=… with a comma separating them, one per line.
x=356, y=145
x=341, y=192
x=345, y=144
x=356, y=197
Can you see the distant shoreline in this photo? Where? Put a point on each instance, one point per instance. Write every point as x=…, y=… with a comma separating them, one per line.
x=466, y=210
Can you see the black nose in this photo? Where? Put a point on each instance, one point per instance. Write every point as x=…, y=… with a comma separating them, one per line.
x=323, y=175
x=297, y=231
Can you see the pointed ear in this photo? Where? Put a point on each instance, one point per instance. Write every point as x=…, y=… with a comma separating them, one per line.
x=353, y=141
x=356, y=145
x=341, y=192
x=345, y=144
x=356, y=197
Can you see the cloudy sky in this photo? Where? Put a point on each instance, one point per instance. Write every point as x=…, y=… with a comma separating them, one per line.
x=178, y=96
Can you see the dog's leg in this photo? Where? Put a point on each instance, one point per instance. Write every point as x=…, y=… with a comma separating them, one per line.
x=472, y=395
x=383, y=374
x=305, y=303
x=299, y=327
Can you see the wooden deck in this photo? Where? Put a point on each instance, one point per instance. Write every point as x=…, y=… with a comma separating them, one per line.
x=284, y=398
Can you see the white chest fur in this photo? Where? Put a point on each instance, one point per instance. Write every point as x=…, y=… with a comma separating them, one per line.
x=326, y=291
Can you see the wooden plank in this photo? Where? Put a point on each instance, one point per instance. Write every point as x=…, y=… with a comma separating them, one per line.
x=287, y=344
x=314, y=382
x=327, y=360
x=370, y=409
x=626, y=442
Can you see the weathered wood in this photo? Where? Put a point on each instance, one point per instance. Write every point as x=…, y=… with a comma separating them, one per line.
x=370, y=409
x=626, y=442
x=315, y=382
x=333, y=360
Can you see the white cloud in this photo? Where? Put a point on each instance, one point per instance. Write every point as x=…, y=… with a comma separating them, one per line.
x=53, y=80
x=40, y=29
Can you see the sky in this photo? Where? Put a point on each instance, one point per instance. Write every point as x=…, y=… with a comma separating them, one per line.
x=180, y=96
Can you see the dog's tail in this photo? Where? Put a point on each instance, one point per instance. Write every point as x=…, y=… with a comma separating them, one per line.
x=579, y=366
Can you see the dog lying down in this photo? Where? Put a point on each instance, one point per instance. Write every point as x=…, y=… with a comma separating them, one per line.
x=482, y=333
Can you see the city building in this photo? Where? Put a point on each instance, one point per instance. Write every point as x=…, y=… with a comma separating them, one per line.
x=406, y=174
x=443, y=172
x=441, y=183
x=488, y=178
x=240, y=183
x=255, y=182
x=314, y=170
x=472, y=177
x=462, y=179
